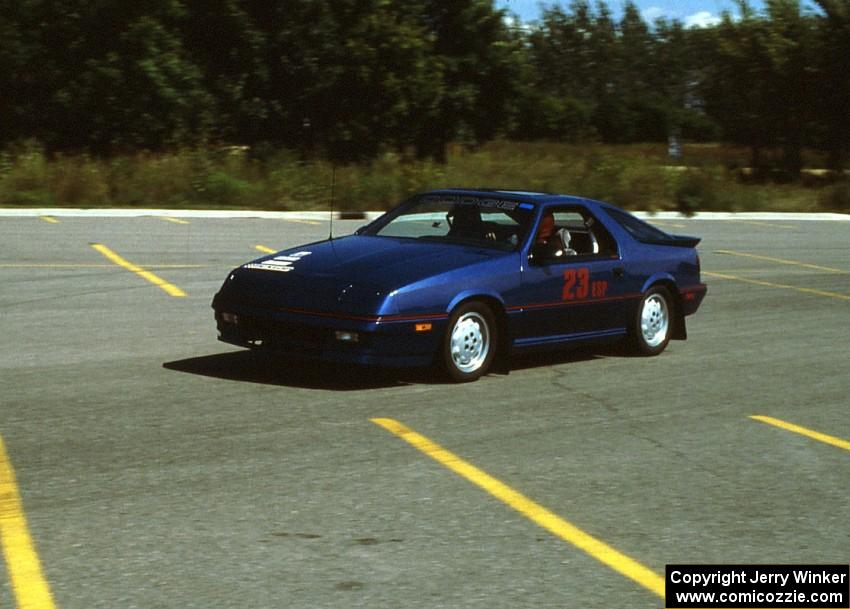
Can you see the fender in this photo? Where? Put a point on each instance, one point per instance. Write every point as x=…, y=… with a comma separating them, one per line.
x=665, y=278
x=679, y=329
x=473, y=294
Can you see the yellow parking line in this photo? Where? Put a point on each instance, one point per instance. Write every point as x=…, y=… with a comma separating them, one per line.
x=28, y=582
x=816, y=267
x=55, y=266
x=779, y=285
x=94, y=266
x=174, y=220
x=264, y=249
x=50, y=219
x=311, y=222
x=757, y=223
x=815, y=435
x=665, y=223
x=535, y=512
x=169, y=289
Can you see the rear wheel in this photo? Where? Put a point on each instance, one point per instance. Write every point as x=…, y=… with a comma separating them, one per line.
x=653, y=323
x=469, y=345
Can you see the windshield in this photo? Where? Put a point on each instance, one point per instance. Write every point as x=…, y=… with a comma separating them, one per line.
x=469, y=220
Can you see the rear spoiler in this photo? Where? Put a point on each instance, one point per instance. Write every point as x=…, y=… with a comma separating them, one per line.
x=685, y=241
x=676, y=241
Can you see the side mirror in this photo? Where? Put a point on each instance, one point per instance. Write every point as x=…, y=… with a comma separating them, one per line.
x=544, y=253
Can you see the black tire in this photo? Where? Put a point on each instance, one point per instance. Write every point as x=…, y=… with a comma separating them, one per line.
x=470, y=343
x=652, y=324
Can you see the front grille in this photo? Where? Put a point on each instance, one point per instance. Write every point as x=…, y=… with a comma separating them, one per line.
x=273, y=331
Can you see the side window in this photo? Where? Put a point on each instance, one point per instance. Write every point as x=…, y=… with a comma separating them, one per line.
x=582, y=234
x=565, y=217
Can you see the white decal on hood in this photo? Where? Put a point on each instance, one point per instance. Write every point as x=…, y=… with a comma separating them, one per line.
x=278, y=263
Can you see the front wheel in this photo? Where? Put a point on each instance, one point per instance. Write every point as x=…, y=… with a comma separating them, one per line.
x=469, y=345
x=651, y=328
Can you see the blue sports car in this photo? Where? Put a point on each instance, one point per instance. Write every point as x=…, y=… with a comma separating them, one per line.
x=460, y=278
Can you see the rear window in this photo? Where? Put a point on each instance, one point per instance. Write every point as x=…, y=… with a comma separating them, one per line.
x=637, y=228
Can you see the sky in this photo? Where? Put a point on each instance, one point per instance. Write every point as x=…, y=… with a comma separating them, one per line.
x=690, y=12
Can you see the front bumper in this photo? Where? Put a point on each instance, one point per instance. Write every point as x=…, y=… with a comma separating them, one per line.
x=390, y=341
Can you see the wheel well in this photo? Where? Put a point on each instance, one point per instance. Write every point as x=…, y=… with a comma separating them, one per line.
x=679, y=330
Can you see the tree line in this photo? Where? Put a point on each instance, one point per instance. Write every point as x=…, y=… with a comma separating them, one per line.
x=348, y=79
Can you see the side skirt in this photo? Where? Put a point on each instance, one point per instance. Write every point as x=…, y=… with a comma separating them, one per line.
x=540, y=341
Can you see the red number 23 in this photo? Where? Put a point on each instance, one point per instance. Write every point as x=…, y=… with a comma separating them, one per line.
x=576, y=284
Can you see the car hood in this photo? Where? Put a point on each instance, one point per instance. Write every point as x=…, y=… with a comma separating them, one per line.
x=354, y=275
x=384, y=263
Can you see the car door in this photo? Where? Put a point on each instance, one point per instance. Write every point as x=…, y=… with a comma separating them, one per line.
x=579, y=294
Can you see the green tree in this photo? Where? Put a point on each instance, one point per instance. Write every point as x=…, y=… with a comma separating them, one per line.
x=19, y=82
x=735, y=88
x=144, y=92
x=346, y=78
x=554, y=99
x=832, y=80
x=681, y=68
x=758, y=85
x=789, y=38
x=229, y=48
x=103, y=76
x=480, y=62
x=640, y=83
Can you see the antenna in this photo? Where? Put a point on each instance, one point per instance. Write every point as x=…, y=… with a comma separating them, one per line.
x=331, y=233
x=333, y=185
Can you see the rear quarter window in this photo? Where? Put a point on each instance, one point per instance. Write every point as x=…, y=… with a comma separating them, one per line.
x=637, y=228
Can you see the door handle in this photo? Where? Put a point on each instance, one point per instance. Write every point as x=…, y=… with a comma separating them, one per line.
x=618, y=272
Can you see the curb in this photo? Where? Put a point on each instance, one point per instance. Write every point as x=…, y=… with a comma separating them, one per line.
x=67, y=212
x=746, y=215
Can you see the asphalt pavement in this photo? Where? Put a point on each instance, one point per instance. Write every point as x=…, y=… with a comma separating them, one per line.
x=159, y=468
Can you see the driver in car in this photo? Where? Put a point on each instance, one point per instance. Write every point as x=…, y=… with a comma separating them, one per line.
x=553, y=242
